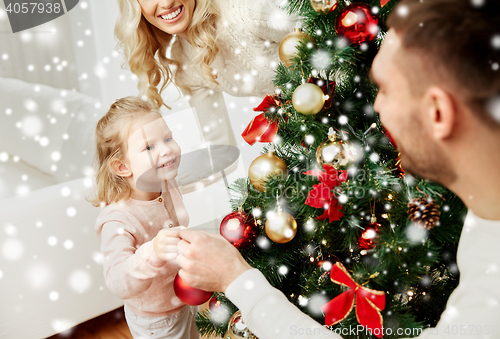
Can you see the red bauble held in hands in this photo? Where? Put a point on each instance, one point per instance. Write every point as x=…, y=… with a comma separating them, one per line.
x=239, y=229
x=190, y=295
x=357, y=23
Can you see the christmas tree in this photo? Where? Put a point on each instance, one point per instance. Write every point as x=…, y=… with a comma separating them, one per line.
x=328, y=210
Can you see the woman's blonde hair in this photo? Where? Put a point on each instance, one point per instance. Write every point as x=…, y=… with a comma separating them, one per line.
x=112, y=131
x=145, y=47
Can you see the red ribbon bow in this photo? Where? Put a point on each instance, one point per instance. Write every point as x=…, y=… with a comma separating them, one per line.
x=260, y=129
x=322, y=84
x=369, y=302
x=321, y=196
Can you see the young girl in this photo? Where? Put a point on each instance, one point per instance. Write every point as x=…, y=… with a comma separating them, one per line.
x=140, y=202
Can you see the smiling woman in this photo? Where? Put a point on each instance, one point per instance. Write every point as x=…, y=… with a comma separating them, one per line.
x=143, y=33
x=214, y=46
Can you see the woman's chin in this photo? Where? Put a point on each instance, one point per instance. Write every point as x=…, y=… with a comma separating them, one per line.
x=176, y=28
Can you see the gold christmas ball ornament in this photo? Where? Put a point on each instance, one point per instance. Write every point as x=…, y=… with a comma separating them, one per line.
x=264, y=166
x=308, y=99
x=288, y=46
x=324, y=5
x=281, y=227
x=335, y=152
x=236, y=328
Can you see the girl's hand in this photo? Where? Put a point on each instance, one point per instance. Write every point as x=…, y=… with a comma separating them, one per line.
x=165, y=243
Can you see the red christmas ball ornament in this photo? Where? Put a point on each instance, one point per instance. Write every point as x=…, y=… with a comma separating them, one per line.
x=190, y=295
x=368, y=238
x=357, y=23
x=239, y=229
x=214, y=304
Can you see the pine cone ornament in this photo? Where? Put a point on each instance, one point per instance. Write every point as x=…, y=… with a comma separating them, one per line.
x=424, y=212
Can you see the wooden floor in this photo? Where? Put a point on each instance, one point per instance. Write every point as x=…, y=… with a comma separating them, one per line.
x=111, y=325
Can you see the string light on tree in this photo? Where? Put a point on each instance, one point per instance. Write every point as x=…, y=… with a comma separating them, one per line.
x=326, y=262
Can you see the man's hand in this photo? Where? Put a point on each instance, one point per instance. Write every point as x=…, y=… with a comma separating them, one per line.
x=165, y=243
x=208, y=261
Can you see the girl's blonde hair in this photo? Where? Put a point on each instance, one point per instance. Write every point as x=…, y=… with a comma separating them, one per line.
x=145, y=47
x=112, y=131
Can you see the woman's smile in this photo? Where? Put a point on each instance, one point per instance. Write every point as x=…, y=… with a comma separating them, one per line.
x=172, y=15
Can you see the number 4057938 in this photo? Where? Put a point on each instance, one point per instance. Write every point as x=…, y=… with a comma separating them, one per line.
x=33, y=7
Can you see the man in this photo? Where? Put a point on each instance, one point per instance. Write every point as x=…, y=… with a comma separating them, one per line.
x=439, y=96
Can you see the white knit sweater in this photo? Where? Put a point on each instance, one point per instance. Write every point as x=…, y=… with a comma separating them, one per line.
x=250, y=33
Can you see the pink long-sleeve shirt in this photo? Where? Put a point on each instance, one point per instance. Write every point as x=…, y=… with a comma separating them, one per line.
x=132, y=270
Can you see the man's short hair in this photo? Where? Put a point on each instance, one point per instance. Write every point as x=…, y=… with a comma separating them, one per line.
x=459, y=43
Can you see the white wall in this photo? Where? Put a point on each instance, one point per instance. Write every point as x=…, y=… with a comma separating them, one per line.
x=98, y=64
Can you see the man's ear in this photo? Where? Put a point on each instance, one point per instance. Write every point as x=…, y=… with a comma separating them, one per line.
x=120, y=168
x=442, y=112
